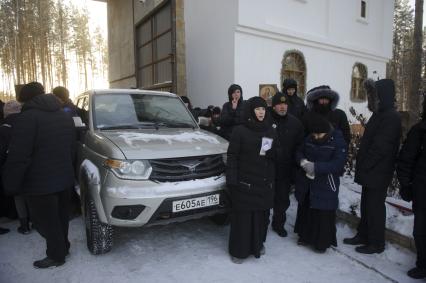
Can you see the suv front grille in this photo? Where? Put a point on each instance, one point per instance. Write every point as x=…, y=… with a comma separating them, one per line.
x=187, y=168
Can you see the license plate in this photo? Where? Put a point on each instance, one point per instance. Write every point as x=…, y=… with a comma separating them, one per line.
x=194, y=203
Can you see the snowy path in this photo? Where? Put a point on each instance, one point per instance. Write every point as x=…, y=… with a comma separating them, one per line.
x=196, y=251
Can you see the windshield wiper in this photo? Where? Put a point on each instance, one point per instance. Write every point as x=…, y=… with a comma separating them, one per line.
x=180, y=125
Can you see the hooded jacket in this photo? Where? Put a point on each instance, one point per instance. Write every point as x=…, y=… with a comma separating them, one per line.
x=41, y=149
x=229, y=118
x=296, y=106
x=335, y=116
x=375, y=162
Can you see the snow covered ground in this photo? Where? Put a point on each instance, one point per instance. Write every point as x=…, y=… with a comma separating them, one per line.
x=196, y=251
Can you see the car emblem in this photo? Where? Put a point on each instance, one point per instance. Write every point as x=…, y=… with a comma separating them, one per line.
x=191, y=165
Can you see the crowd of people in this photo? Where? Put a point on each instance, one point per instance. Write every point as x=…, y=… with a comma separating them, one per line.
x=271, y=149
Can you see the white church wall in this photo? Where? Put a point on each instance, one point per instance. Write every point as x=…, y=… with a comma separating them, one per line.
x=209, y=32
x=258, y=61
x=327, y=22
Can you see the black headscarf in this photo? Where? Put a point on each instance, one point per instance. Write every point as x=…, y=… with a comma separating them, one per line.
x=251, y=120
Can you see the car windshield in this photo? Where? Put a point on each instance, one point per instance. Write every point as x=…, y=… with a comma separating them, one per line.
x=138, y=111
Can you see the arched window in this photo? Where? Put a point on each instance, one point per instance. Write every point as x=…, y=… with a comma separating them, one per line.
x=359, y=74
x=294, y=67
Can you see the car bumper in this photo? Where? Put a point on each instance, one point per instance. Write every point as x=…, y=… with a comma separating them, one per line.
x=155, y=200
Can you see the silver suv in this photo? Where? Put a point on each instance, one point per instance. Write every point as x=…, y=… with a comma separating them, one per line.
x=143, y=160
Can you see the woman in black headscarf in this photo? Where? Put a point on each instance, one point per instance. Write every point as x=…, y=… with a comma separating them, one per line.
x=250, y=178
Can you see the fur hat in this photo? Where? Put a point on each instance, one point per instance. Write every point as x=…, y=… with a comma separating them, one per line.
x=29, y=91
x=11, y=107
x=322, y=91
x=289, y=83
x=279, y=98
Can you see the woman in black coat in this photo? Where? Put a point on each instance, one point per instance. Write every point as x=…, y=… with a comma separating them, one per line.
x=250, y=178
x=411, y=168
x=232, y=111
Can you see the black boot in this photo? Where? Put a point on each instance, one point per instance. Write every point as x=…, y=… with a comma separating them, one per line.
x=279, y=230
x=25, y=226
x=417, y=273
x=356, y=240
x=370, y=249
x=4, y=230
x=47, y=262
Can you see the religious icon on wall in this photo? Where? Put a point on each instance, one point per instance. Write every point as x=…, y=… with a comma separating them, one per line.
x=266, y=91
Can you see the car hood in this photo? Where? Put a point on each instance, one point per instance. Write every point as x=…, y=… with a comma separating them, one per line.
x=166, y=143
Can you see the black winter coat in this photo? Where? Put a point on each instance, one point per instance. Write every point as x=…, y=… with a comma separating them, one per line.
x=5, y=134
x=41, y=149
x=296, y=105
x=375, y=162
x=250, y=176
x=229, y=118
x=290, y=135
x=411, y=165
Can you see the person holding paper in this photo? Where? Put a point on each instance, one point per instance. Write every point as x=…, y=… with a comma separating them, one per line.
x=250, y=178
x=322, y=157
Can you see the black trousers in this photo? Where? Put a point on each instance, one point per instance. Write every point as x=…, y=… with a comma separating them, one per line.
x=419, y=234
x=281, y=202
x=50, y=215
x=373, y=216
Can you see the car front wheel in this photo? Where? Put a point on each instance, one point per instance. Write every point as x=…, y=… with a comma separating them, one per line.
x=99, y=235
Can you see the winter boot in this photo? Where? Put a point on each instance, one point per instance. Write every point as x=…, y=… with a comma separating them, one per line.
x=417, y=273
x=4, y=230
x=236, y=260
x=279, y=230
x=25, y=226
x=370, y=249
x=47, y=262
x=356, y=240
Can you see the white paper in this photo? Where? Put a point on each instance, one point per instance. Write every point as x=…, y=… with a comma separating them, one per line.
x=266, y=145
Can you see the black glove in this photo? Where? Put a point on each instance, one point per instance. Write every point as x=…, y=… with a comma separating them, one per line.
x=406, y=193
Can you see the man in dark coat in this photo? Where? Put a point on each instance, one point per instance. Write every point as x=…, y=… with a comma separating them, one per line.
x=296, y=106
x=232, y=111
x=250, y=176
x=375, y=164
x=290, y=135
x=39, y=166
x=67, y=105
x=323, y=100
x=411, y=168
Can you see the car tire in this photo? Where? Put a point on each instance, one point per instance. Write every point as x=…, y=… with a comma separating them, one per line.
x=99, y=235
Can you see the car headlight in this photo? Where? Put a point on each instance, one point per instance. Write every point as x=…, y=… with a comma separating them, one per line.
x=129, y=169
x=225, y=157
